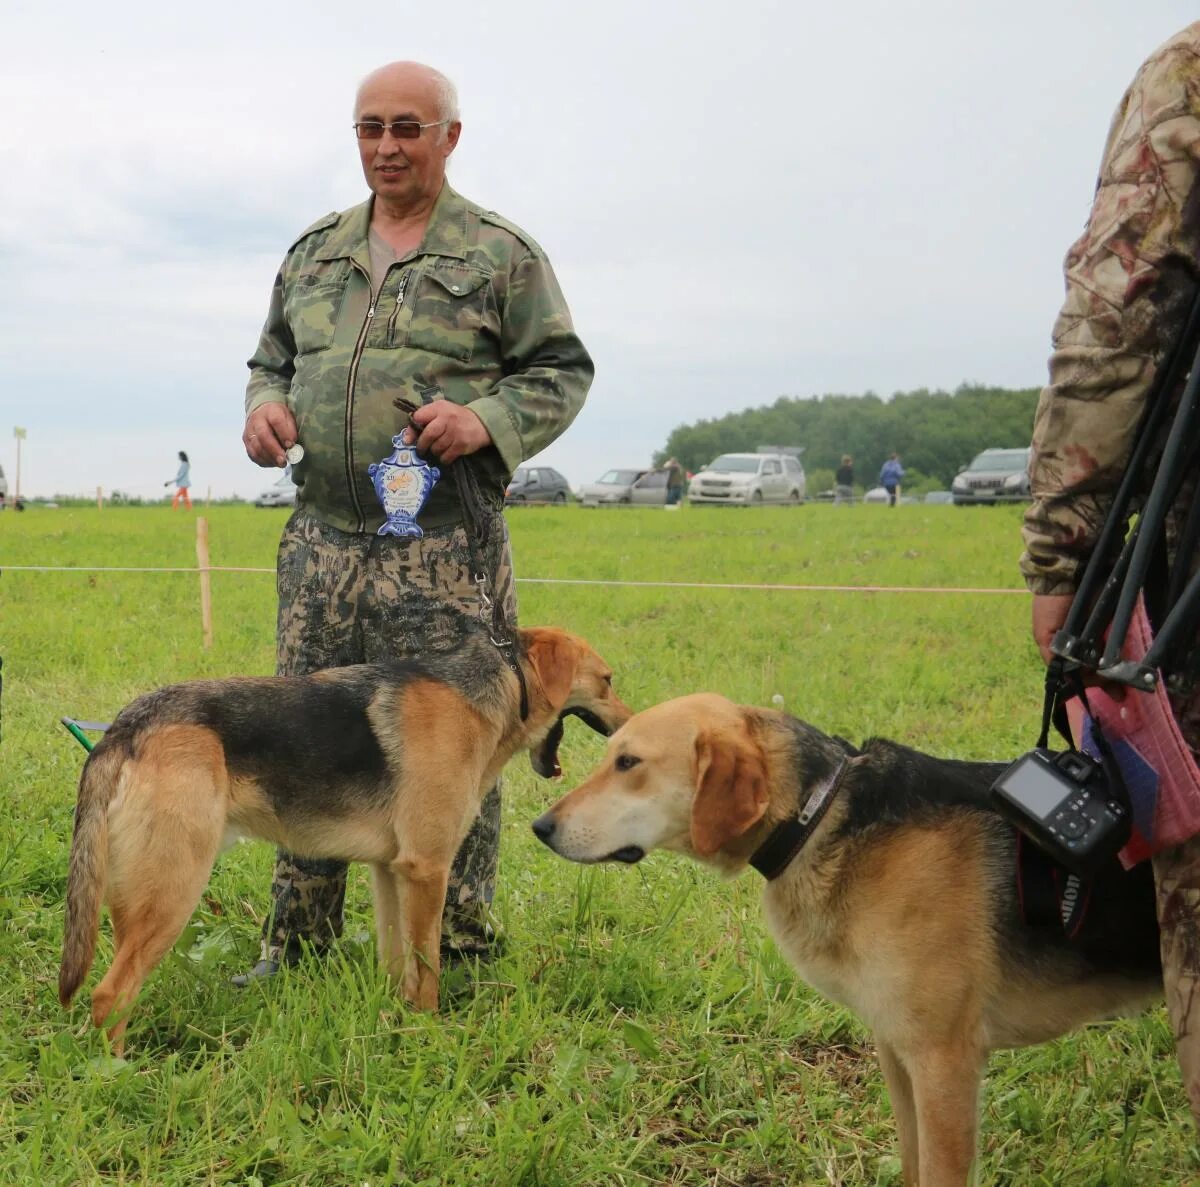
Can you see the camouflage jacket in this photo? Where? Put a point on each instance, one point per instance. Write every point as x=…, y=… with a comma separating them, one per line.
x=1129, y=280
x=474, y=315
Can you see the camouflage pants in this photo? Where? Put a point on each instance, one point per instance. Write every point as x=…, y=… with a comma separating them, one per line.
x=1177, y=879
x=346, y=598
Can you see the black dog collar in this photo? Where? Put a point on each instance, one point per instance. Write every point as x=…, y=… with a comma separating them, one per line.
x=786, y=839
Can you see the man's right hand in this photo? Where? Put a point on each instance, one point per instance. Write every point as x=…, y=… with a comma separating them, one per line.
x=269, y=430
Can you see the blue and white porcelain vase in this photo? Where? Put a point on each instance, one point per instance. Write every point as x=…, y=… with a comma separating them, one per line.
x=402, y=482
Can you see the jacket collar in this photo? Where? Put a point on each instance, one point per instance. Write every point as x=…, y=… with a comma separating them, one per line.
x=447, y=233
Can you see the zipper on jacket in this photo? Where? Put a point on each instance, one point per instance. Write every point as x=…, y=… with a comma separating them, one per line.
x=350, y=381
x=400, y=291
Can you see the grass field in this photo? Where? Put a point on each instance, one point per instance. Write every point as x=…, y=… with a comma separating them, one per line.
x=639, y=1027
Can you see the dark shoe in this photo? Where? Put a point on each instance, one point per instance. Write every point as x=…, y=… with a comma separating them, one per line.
x=267, y=967
x=260, y=972
x=467, y=950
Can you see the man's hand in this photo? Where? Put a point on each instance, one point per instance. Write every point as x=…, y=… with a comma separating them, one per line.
x=1049, y=614
x=269, y=430
x=447, y=431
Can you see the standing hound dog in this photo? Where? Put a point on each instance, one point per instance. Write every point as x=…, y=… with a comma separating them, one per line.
x=384, y=763
x=890, y=887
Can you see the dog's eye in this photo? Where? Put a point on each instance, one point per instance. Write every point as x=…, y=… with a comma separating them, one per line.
x=608, y=680
x=626, y=762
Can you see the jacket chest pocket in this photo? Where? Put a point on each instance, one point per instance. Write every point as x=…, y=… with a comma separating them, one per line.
x=312, y=306
x=447, y=312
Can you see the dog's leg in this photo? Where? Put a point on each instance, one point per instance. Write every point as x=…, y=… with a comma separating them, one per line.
x=946, y=1079
x=162, y=845
x=900, y=1090
x=388, y=938
x=413, y=954
x=147, y=919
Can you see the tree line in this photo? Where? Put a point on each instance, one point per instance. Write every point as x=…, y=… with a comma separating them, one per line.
x=935, y=433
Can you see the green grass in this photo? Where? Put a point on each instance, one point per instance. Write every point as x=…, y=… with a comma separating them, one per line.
x=640, y=1027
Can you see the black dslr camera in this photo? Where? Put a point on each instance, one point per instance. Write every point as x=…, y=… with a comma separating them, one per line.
x=1071, y=806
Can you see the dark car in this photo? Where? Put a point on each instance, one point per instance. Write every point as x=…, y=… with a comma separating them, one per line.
x=537, y=484
x=995, y=476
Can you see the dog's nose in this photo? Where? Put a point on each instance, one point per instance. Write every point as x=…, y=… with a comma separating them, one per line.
x=543, y=827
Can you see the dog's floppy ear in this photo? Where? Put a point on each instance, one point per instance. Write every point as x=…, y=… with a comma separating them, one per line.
x=731, y=789
x=553, y=657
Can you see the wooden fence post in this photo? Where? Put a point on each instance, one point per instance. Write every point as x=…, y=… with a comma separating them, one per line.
x=205, y=580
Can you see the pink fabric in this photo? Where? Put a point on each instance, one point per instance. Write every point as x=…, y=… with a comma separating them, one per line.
x=1145, y=722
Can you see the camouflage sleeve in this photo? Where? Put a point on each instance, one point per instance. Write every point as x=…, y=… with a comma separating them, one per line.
x=547, y=369
x=1128, y=282
x=272, y=364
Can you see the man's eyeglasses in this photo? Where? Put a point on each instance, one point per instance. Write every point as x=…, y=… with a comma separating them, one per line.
x=400, y=129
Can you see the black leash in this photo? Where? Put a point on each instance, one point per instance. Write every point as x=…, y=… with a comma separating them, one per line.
x=788, y=837
x=478, y=523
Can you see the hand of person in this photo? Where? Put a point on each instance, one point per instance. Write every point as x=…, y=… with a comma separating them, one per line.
x=269, y=430
x=1049, y=614
x=447, y=430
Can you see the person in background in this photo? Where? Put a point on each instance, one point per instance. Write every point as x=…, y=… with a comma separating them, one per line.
x=1130, y=280
x=422, y=315
x=675, y=481
x=843, y=481
x=889, y=478
x=182, y=482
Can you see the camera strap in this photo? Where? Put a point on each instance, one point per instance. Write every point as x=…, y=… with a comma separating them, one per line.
x=1062, y=685
x=1049, y=894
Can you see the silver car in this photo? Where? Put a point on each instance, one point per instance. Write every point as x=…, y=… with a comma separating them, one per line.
x=613, y=486
x=282, y=494
x=995, y=476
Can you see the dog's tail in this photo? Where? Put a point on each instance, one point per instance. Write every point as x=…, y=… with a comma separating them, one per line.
x=87, y=874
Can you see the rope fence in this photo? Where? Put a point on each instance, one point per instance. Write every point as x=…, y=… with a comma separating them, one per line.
x=203, y=569
x=766, y=586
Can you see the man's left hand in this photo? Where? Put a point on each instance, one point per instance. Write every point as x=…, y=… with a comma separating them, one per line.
x=447, y=431
x=1049, y=615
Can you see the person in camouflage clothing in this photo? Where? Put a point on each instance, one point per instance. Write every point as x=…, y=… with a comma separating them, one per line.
x=1130, y=281
x=416, y=299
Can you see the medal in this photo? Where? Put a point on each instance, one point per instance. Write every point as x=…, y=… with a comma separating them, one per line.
x=295, y=455
x=402, y=483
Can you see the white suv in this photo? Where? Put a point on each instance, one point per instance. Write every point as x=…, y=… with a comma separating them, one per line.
x=749, y=478
x=3, y=484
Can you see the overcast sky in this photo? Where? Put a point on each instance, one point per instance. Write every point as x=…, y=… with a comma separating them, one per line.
x=741, y=201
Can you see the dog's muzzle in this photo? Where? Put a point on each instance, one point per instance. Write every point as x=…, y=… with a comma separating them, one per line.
x=545, y=757
x=545, y=826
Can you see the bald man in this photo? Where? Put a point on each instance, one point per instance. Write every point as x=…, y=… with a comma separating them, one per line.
x=416, y=297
